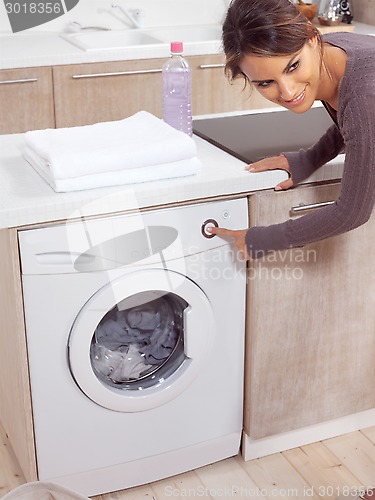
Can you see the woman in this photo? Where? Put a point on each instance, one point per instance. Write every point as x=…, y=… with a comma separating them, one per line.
x=277, y=50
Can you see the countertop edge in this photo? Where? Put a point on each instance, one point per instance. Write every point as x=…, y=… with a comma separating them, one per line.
x=26, y=199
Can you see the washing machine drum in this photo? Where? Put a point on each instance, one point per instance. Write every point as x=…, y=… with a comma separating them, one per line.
x=141, y=340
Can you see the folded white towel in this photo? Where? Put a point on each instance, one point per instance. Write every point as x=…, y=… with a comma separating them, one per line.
x=169, y=170
x=142, y=140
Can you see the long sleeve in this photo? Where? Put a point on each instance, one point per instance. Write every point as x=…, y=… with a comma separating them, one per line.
x=357, y=197
x=303, y=163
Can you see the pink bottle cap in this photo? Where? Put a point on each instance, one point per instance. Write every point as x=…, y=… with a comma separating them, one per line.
x=177, y=47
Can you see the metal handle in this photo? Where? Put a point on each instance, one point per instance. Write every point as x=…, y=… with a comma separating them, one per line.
x=20, y=80
x=119, y=73
x=210, y=66
x=301, y=208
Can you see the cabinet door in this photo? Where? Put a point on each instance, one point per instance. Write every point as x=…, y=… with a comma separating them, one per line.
x=311, y=323
x=90, y=93
x=212, y=92
x=26, y=100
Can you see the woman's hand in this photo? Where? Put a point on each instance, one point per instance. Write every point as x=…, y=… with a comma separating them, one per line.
x=239, y=237
x=273, y=163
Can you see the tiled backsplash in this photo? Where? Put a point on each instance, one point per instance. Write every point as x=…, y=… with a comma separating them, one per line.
x=156, y=13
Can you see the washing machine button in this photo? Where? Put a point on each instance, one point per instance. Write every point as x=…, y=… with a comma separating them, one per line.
x=206, y=224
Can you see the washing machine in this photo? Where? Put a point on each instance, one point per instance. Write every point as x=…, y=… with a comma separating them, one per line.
x=135, y=338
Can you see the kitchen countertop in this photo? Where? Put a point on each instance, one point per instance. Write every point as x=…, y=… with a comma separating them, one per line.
x=28, y=49
x=25, y=198
x=20, y=50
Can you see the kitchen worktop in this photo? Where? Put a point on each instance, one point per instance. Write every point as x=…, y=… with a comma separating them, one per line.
x=22, y=50
x=28, y=49
x=25, y=198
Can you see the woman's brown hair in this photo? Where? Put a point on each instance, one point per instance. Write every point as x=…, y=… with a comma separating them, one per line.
x=264, y=28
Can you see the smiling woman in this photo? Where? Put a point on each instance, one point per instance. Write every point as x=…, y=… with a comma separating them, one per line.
x=290, y=81
x=274, y=48
x=264, y=29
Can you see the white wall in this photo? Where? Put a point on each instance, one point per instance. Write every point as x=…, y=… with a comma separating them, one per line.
x=157, y=13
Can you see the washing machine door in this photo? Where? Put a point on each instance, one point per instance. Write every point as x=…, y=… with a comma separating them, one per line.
x=141, y=340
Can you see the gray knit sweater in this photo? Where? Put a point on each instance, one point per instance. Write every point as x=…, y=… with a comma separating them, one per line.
x=354, y=133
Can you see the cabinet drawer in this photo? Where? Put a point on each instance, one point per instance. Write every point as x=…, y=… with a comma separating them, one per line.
x=212, y=92
x=89, y=93
x=26, y=100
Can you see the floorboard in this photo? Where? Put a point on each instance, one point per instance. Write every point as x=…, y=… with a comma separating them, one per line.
x=276, y=478
x=357, y=453
x=225, y=479
x=369, y=433
x=322, y=470
x=10, y=474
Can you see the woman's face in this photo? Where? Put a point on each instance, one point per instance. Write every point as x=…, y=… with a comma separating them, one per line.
x=290, y=81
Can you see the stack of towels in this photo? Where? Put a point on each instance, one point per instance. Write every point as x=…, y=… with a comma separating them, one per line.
x=137, y=149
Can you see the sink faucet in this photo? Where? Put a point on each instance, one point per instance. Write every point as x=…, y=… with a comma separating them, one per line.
x=133, y=15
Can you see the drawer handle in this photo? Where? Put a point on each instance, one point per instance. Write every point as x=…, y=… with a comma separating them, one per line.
x=301, y=208
x=211, y=66
x=20, y=80
x=120, y=73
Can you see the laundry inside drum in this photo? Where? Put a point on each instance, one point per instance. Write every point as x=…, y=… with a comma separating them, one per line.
x=140, y=342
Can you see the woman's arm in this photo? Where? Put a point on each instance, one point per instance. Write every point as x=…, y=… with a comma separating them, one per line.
x=357, y=197
x=301, y=164
x=352, y=209
x=304, y=162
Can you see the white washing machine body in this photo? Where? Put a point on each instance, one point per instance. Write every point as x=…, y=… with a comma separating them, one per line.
x=135, y=335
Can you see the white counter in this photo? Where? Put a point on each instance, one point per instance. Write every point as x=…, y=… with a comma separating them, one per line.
x=22, y=50
x=25, y=198
x=28, y=49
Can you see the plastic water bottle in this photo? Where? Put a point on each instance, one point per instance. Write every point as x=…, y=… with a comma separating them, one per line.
x=177, y=84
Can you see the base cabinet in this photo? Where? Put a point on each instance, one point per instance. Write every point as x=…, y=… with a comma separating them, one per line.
x=212, y=92
x=89, y=93
x=15, y=396
x=26, y=100
x=83, y=94
x=310, y=333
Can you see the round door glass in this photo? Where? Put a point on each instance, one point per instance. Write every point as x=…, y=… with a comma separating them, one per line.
x=140, y=341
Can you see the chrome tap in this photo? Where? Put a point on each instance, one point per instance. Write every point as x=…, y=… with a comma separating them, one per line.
x=133, y=15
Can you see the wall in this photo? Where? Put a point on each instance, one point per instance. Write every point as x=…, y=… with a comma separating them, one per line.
x=364, y=11
x=157, y=13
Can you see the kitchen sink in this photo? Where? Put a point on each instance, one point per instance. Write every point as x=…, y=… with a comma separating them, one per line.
x=110, y=40
x=120, y=39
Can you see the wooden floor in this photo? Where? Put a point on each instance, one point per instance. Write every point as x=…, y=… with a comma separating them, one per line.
x=318, y=471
